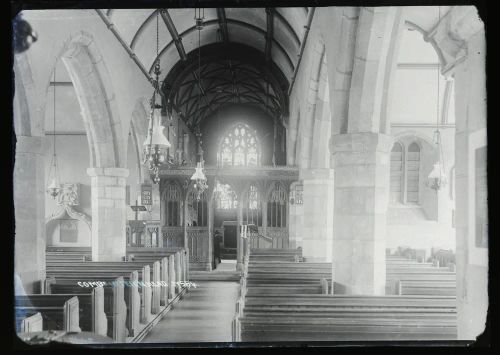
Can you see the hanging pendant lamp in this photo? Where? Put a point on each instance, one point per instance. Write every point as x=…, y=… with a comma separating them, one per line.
x=199, y=178
x=437, y=178
x=156, y=144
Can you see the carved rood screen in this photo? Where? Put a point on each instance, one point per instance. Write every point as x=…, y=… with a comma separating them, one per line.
x=172, y=230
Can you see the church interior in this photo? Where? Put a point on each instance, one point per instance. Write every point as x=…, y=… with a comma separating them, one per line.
x=250, y=174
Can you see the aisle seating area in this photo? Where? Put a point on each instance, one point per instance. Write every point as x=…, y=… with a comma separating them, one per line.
x=113, y=299
x=303, y=308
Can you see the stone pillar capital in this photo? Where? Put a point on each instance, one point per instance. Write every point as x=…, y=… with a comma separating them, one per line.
x=110, y=172
x=29, y=144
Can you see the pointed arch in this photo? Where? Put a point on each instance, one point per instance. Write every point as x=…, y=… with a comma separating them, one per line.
x=27, y=120
x=138, y=132
x=96, y=97
x=307, y=124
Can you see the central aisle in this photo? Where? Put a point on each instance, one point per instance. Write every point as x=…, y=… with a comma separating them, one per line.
x=203, y=315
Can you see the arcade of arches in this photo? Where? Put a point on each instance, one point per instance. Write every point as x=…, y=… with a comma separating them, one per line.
x=328, y=151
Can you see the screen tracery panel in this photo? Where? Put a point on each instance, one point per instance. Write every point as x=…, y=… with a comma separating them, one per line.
x=252, y=212
x=277, y=206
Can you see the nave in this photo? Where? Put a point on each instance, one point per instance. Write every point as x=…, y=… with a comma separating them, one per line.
x=204, y=315
x=285, y=173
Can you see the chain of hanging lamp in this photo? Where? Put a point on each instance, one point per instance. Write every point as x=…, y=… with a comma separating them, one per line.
x=437, y=177
x=199, y=178
x=156, y=144
x=54, y=187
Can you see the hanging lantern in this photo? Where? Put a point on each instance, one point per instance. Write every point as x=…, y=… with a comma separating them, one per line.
x=437, y=178
x=54, y=189
x=156, y=144
x=200, y=180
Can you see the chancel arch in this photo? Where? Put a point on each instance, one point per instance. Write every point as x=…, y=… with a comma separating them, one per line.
x=327, y=155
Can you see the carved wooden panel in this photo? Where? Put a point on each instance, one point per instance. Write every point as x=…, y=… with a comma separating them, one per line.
x=173, y=237
x=198, y=244
x=276, y=238
x=279, y=237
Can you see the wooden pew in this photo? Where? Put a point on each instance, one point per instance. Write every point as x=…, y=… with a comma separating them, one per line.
x=274, y=312
x=140, y=306
x=136, y=305
x=92, y=317
x=59, y=312
x=426, y=287
x=292, y=255
x=32, y=323
x=68, y=253
x=327, y=317
x=115, y=306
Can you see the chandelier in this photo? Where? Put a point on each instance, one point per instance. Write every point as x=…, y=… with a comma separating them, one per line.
x=199, y=178
x=437, y=178
x=156, y=144
x=54, y=187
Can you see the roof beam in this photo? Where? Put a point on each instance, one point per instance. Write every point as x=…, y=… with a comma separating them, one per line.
x=180, y=47
x=221, y=14
x=269, y=32
x=310, y=16
x=238, y=23
x=173, y=32
x=125, y=46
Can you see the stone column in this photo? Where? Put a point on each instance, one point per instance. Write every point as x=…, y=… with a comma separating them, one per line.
x=239, y=244
x=264, y=220
x=317, y=230
x=29, y=212
x=109, y=216
x=470, y=136
x=210, y=222
x=361, y=162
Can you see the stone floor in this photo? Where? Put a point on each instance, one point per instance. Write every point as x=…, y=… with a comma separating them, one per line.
x=203, y=315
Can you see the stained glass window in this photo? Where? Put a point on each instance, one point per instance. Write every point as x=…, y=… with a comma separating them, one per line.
x=412, y=173
x=252, y=213
x=396, y=173
x=239, y=147
x=226, y=198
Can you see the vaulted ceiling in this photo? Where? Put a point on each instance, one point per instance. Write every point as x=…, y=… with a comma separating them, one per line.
x=248, y=54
